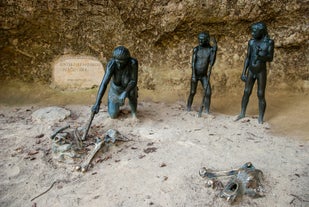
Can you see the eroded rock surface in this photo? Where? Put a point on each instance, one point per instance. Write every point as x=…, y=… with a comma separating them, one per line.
x=160, y=34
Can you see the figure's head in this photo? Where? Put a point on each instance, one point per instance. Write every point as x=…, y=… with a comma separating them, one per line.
x=121, y=55
x=203, y=38
x=259, y=30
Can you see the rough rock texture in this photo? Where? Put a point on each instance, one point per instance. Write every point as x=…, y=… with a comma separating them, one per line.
x=50, y=114
x=160, y=34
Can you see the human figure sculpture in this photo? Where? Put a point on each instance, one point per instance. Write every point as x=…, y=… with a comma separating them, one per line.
x=203, y=58
x=122, y=73
x=260, y=50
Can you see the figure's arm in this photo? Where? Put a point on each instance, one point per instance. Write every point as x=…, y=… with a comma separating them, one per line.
x=106, y=78
x=134, y=76
x=133, y=80
x=213, y=51
x=246, y=65
x=193, y=63
x=270, y=52
x=213, y=55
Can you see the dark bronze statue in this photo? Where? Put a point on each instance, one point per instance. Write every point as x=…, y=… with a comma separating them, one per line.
x=203, y=58
x=123, y=70
x=260, y=51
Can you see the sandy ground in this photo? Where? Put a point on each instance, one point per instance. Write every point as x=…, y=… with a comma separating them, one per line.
x=160, y=165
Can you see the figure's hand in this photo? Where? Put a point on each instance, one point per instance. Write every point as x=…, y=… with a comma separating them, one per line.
x=95, y=108
x=243, y=77
x=122, y=97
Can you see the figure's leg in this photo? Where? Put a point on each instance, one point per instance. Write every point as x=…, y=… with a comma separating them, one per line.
x=247, y=92
x=133, y=102
x=261, y=94
x=207, y=91
x=192, y=93
x=113, y=109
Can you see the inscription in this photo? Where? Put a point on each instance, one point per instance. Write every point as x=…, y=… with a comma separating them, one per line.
x=77, y=72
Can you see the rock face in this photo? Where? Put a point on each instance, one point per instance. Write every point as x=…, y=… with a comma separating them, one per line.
x=160, y=34
x=50, y=114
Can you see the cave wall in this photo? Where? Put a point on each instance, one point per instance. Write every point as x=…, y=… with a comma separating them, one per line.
x=159, y=33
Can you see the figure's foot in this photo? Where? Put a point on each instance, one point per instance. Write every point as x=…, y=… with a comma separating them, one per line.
x=211, y=116
x=134, y=120
x=260, y=120
x=188, y=108
x=134, y=116
x=240, y=116
x=113, y=117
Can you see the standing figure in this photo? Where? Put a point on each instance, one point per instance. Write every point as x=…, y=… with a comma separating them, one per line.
x=203, y=55
x=260, y=51
x=122, y=68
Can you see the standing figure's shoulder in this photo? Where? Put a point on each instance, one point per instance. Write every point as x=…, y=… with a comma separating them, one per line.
x=270, y=41
x=195, y=49
x=133, y=61
x=251, y=42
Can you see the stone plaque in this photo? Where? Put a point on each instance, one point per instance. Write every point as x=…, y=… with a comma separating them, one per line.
x=77, y=72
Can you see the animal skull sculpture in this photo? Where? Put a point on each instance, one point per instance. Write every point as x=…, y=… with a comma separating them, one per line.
x=246, y=180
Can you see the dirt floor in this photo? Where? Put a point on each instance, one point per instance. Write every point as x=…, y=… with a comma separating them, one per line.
x=160, y=164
